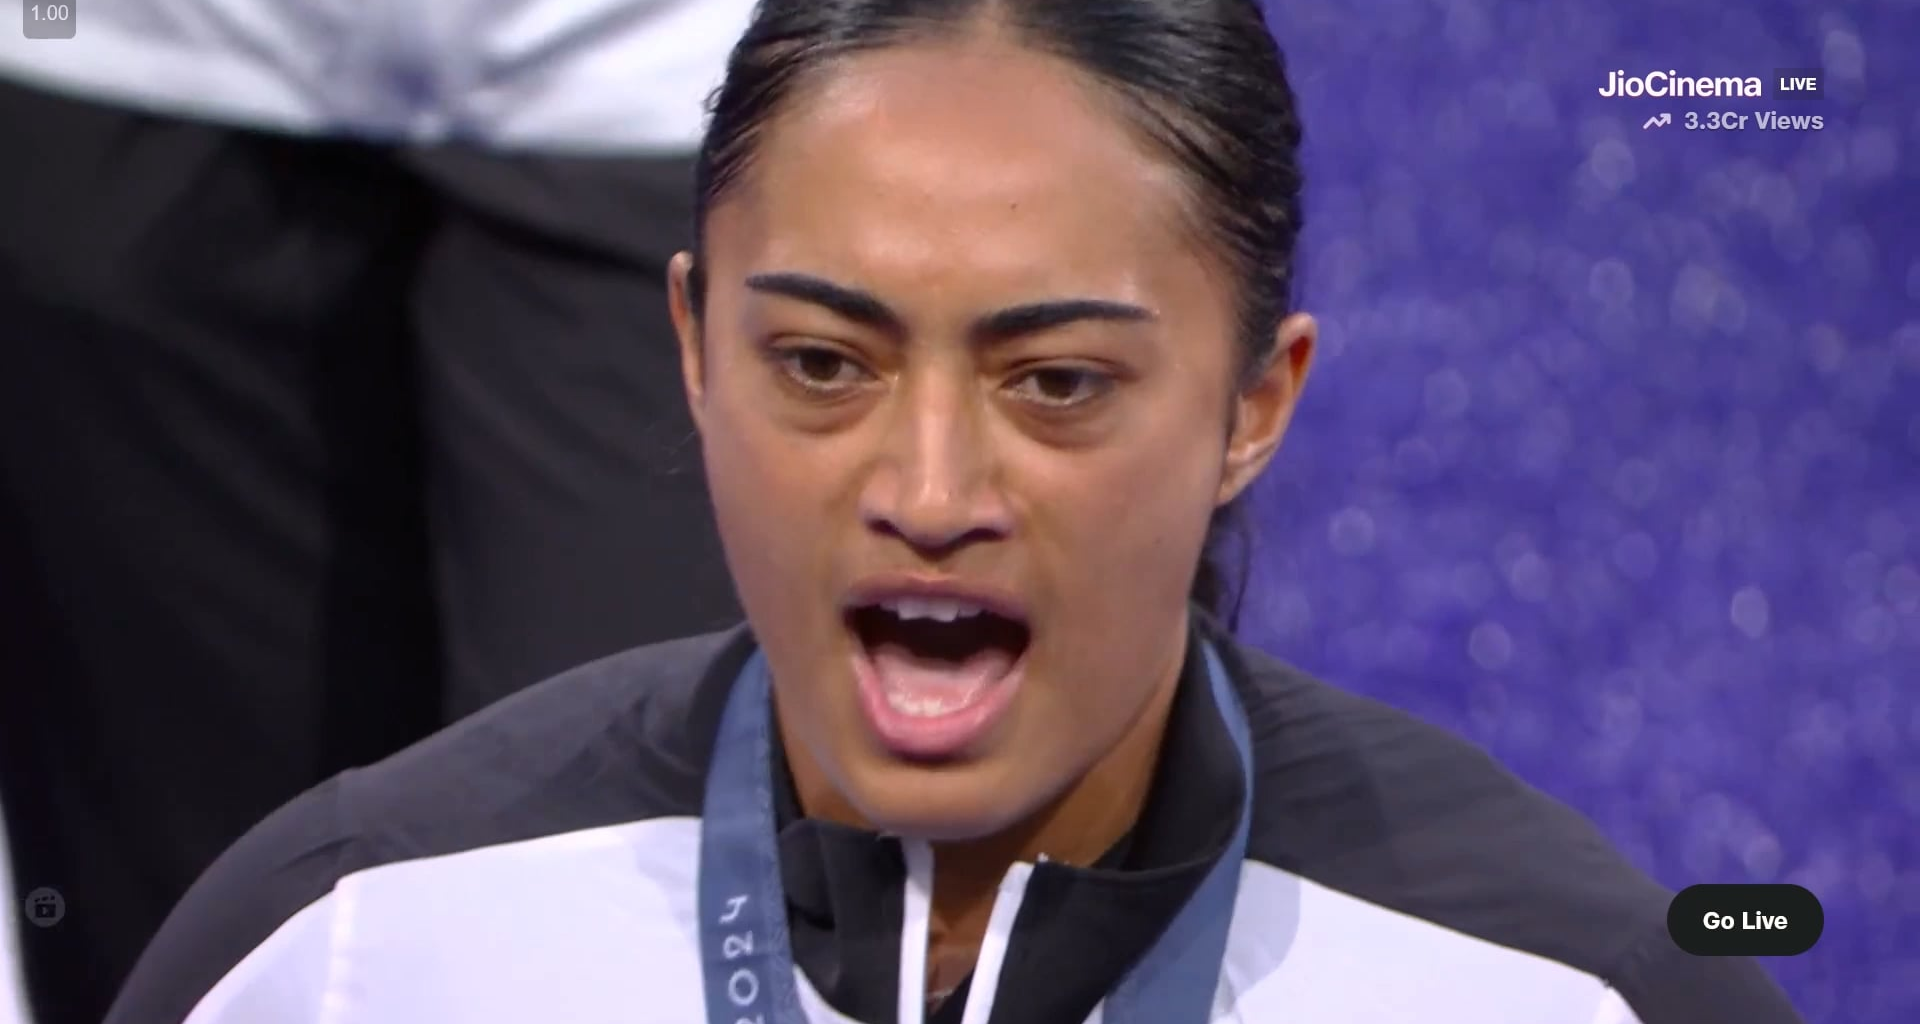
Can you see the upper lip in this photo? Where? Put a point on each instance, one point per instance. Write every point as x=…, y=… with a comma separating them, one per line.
x=874, y=590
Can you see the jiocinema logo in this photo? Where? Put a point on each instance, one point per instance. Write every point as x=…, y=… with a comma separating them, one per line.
x=1673, y=83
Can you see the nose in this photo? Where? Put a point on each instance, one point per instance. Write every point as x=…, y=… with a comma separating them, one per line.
x=935, y=485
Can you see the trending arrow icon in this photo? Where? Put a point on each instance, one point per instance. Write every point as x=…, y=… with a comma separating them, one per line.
x=1657, y=121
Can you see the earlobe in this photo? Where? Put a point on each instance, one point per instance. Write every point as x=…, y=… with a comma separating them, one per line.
x=687, y=329
x=1265, y=406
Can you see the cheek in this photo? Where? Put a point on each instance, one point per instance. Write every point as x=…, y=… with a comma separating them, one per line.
x=1139, y=513
x=1119, y=559
x=1122, y=559
x=767, y=498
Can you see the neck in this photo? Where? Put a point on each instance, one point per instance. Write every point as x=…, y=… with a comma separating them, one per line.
x=1077, y=828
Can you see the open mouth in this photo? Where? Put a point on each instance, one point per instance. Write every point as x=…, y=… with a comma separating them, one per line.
x=935, y=673
x=937, y=632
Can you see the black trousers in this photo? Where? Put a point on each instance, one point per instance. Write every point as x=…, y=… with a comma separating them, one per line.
x=306, y=448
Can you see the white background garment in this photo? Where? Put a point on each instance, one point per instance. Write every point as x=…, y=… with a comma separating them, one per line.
x=628, y=76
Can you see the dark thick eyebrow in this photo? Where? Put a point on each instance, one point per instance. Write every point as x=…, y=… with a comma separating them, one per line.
x=866, y=309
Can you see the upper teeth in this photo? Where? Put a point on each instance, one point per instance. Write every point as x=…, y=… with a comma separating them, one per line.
x=931, y=608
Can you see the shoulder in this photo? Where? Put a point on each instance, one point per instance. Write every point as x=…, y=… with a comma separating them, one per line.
x=619, y=739
x=1383, y=811
x=1369, y=800
x=615, y=741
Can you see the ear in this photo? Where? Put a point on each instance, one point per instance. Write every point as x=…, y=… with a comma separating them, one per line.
x=686, y=327
x=1264, y=408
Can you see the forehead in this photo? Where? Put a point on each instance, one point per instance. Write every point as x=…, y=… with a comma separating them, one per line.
x=975, y=160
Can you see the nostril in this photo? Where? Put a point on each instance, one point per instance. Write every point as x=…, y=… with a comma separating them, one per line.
x=933, y=541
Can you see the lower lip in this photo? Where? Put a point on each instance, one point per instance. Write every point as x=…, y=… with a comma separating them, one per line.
x=933, y=737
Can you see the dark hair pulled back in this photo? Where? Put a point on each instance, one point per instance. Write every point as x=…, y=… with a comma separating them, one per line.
x=1202, y=80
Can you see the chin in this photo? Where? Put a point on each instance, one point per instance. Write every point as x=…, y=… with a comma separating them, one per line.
x=935, y=803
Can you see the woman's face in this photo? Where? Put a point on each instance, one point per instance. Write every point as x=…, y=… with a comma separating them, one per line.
x=961, y=358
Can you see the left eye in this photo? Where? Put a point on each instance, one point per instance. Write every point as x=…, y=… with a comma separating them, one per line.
x=1062, y=386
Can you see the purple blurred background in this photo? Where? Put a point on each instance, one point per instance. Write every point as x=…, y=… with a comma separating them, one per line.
x=1612, y=456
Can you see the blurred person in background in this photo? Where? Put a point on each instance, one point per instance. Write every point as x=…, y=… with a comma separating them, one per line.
x=338, y=398
x=13, y=996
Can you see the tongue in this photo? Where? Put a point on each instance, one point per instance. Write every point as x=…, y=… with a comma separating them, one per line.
x=948, y=682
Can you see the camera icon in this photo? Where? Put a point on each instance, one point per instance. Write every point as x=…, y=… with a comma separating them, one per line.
x=45, y=907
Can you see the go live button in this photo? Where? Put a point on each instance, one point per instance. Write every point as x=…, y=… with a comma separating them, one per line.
x=1745, y=920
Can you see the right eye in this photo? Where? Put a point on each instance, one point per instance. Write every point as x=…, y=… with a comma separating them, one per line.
x=820, y=369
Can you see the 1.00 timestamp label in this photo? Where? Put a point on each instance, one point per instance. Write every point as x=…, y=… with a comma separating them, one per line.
x=49, y=21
